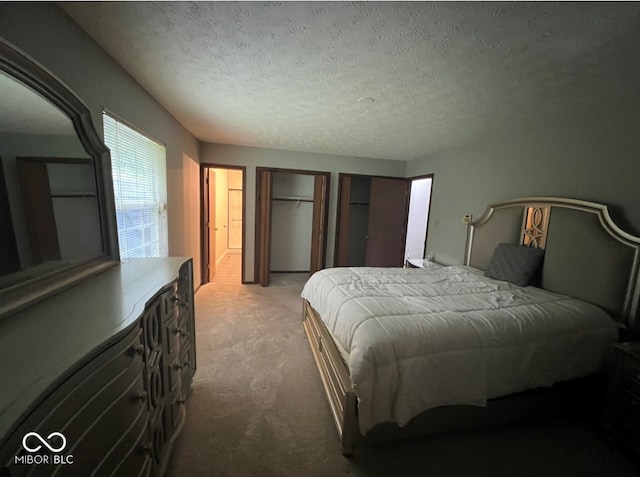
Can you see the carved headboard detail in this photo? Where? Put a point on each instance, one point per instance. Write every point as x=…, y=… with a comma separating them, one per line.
x=535, y=225
x=587, y=255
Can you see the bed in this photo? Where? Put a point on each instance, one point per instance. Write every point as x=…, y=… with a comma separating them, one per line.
x=419, y=351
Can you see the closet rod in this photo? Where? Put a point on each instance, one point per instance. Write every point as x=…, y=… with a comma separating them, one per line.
x=294, y=199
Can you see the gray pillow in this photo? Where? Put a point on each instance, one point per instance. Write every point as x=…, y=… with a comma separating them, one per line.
x=514, y=263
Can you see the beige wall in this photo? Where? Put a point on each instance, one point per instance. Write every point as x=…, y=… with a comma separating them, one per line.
x=594, y=157
x=252, y=157
x=189, y=226
x=44, y=32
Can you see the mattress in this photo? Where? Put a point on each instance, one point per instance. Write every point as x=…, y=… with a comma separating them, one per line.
x=414, y=339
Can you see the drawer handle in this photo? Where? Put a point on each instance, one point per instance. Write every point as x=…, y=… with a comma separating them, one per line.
x=141, y=396
x=176, y=300
x=145, y=449
x=136, y=350
x=184, y=365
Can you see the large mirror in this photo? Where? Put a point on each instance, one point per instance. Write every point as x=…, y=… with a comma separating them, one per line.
x=57, y=224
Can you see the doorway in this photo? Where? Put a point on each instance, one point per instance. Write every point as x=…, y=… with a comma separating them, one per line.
x=418, y=219
x=291, y=221
x=223, y=218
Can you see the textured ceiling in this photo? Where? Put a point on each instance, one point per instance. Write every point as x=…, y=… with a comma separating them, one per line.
x=289, y=75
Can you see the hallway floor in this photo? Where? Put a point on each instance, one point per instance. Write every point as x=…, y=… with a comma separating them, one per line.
x=229, y=270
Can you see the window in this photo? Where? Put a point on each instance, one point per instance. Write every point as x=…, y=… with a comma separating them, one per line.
x=140, y=186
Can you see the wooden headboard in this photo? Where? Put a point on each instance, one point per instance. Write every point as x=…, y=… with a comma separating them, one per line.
x=587, y=256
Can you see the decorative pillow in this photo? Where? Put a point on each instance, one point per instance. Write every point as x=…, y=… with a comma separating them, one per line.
x=514, y=263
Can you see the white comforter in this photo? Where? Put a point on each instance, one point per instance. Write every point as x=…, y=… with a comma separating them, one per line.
x=418, y=339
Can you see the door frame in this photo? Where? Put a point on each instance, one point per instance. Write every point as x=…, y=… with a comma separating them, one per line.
x=204, y=239
x=318, y=245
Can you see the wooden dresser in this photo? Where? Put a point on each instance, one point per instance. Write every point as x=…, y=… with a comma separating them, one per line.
x=622, y=412
x=94, y=379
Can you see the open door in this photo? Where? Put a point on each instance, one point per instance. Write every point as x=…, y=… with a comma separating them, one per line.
x=342, y=231
x=389, y=203
x=263, y=244
x=418, y=219
x=208, y=220
x=318, y=232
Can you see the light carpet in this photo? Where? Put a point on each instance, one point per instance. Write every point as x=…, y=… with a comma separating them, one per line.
x=258, y=409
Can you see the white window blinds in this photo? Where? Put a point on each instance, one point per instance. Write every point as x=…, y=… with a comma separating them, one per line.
x=140, y=187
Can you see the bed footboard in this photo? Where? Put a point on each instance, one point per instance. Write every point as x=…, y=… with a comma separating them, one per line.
x=335, y=379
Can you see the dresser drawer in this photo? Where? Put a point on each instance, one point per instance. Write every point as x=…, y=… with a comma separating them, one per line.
x=173, y=373
x=124, y=356
x=155, y=389
x=169, y=299
x=171, y=336
x=91, y=410
x=631, y=375
x=629, y=430
x=174, y=414
x=98, y=439
x=186, y=358
x=152, y=332
x=185, y=323
x=630, y=402
x=130, y=454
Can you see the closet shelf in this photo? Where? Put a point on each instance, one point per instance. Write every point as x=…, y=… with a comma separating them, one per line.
x=294, y=199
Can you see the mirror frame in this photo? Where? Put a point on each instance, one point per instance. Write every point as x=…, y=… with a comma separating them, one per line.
x=24, y=294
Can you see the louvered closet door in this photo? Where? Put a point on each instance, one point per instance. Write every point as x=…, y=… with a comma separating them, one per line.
x=388, y=208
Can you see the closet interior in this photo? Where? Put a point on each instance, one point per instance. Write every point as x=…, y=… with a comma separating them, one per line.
x=291, y=222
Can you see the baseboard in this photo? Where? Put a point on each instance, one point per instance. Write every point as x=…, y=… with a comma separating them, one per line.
x=221, y=258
